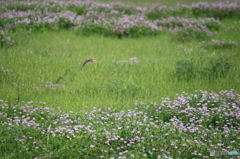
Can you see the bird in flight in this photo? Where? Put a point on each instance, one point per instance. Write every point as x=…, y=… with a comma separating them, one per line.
x=89, y=60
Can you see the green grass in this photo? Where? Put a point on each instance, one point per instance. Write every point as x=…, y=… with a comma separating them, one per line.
x=57, y=57
x=52, y=107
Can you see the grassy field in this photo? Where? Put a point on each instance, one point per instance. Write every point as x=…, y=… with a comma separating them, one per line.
x=166, y=84
x=57, y=57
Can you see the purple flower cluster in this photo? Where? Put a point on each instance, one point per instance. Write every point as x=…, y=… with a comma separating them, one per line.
x=202, y=121
x=50, y=85
x=114, y=18
x=6, y=71
x=5, y=39
x=219, y=9
x=131, y=60
x=224, y=106
x=177, y=24
x=220, y=43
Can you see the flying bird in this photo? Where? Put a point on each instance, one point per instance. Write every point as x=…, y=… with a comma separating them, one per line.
x=89, y=60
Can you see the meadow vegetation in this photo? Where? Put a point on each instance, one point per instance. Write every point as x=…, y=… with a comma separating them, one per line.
x=130, y=104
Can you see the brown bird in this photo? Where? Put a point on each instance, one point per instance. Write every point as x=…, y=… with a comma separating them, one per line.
x=89, y=60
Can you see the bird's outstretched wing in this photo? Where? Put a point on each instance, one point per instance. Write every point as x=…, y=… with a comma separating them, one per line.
x=88, y=60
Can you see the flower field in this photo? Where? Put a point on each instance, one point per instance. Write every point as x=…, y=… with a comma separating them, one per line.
x=166, y=84
x=189, y=127
x=114, y=19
